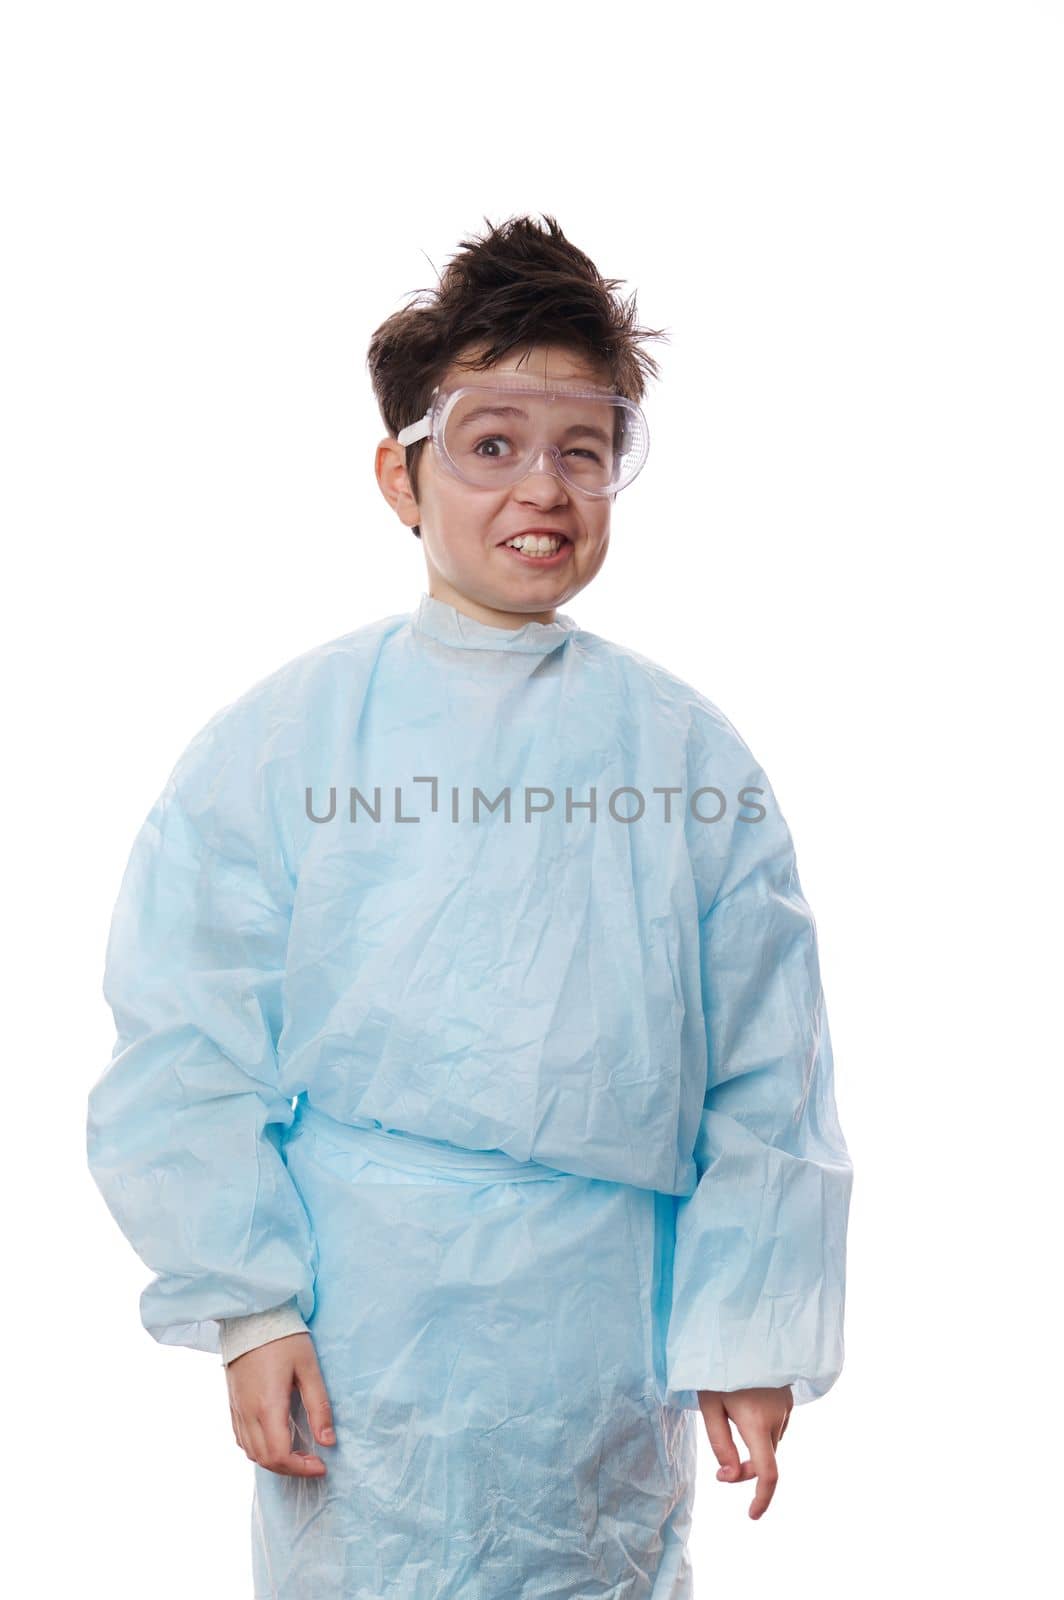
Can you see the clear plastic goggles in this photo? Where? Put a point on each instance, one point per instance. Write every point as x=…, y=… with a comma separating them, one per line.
x=493, y=435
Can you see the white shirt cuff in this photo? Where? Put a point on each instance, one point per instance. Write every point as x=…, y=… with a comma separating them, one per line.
x=241, y=1334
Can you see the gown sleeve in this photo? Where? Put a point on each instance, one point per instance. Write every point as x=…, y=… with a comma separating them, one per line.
x=185, y=1124
x=759, y=1267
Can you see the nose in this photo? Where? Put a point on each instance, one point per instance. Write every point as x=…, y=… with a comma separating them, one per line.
x=546, y=462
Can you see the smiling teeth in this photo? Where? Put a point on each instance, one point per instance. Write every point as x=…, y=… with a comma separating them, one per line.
x=535, y=544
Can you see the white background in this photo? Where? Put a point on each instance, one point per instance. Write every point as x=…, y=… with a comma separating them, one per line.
x=848, y=218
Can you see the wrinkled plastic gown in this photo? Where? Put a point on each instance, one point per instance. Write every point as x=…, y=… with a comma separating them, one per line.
x=529, y=1110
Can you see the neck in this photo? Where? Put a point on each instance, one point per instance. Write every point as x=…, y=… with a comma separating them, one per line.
x=440, y=589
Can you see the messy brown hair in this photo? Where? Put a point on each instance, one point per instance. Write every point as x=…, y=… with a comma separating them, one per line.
x=516, y=285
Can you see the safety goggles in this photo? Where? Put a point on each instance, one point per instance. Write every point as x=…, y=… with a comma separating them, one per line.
x=493, y=435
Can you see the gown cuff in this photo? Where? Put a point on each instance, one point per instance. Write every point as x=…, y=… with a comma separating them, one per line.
x=238, y=1335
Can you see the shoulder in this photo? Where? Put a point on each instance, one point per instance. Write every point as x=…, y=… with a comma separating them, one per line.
x=734, y=824
x=303, y=680
x=276, y=713
x=708, y=732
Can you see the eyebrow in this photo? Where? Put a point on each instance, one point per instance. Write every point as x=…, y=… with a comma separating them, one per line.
x=585, y=429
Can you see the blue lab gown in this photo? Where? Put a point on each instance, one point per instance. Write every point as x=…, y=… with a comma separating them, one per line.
x=467, y=998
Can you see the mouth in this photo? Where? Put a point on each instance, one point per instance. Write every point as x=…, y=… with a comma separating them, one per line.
x=540, y=547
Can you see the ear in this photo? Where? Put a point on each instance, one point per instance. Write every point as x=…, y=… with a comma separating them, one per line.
x=393, y=480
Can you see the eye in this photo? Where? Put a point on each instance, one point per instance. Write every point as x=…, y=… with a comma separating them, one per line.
x=494, y=438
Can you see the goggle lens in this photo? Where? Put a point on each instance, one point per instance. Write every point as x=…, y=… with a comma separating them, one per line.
x=493, y=438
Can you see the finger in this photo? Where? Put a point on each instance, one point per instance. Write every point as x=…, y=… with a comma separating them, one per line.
x=763, y=1459
x=718, y=1431
x=274, y=1423
x=235, y=1420
x=315, y=1399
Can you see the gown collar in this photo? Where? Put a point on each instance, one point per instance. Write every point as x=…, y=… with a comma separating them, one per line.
x=439, y=620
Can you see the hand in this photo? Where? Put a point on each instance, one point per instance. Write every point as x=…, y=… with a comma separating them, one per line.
x=260, y=1398
x=761, y=1416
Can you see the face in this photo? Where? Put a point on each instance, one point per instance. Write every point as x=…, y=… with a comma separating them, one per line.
x=464, y=528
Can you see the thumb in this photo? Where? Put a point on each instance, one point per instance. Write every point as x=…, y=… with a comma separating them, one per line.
x=311, y=1387
x=718, y=1431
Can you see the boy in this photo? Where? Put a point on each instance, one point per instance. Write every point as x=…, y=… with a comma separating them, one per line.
x=473, y=1091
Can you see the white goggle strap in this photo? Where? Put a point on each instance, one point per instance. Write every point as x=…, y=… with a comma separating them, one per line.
x=419, y=430
x=415, y=431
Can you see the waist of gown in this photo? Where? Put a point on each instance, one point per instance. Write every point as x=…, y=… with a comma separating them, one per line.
x=410, y=1152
